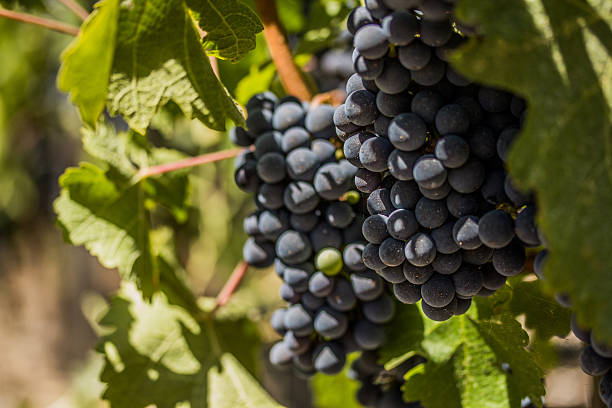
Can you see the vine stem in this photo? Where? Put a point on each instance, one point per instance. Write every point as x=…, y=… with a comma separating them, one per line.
x=231, y=285
x=288, y=71
x=39, y=21
x=189, y=162
x=76, y=8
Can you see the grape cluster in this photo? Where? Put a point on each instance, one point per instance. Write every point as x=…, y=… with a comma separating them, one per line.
x=308, y=224
x=445, y=221
x=381, y=388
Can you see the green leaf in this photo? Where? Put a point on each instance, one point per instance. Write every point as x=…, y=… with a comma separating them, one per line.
x=434, y=385
x=404, y=335
x=230, y=27
x=527, y=298
x=86, y=81
x=158, y=355
x=465, y=357
x=258, y=80
x=507, y=340
x=557, y=54
x=109, y=214
x=109, y=221
x=159, y=58
x=126, y=153
x=542, y=312
x=442, y=340
x=332, y=391
x=231, y=386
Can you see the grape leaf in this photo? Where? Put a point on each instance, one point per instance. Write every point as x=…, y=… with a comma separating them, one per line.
x=231, y=386
x=159, y=58
x=108, y=213
x=527, y=298
x=95, y=42
x=157, y=354
x=418, y=385
x=137, y=56
x=110, y=221
x=542, y=312
x=465, y=359
x=506, y=338
x=230, y=27
x=556, y=53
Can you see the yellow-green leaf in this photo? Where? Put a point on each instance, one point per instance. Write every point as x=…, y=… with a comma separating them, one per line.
x=86, y=63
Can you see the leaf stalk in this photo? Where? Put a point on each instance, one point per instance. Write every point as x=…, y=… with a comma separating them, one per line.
x=39, y=21
x=231, y=285
x=76, y=8
x=189, y=162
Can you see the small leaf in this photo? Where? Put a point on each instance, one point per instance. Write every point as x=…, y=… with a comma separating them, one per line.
x=158, y=59
x=230, y=27
x=542, y=312
x=231, y=386
x=86, y=80
x=557, y=54
x=527, y=298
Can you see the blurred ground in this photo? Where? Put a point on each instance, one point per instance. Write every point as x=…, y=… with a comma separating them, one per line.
x=44, y=334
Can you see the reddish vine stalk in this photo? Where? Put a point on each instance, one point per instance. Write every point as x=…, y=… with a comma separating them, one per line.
x=288, y=71
x=231, y=285
x=76, y=8
x=189, y=162
x=40, y=21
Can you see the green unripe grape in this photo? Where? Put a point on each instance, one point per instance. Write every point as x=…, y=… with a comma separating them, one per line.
x=352, y=197
x=329, y=261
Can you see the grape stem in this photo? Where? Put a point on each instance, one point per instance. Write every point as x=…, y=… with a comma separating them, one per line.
x=288, y=71
x=76, y=8
x=189, y=162
x=335, y=97
x=39, y=21
x=231, y=285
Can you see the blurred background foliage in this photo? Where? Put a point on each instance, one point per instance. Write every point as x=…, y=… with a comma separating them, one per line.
x=52, y=294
